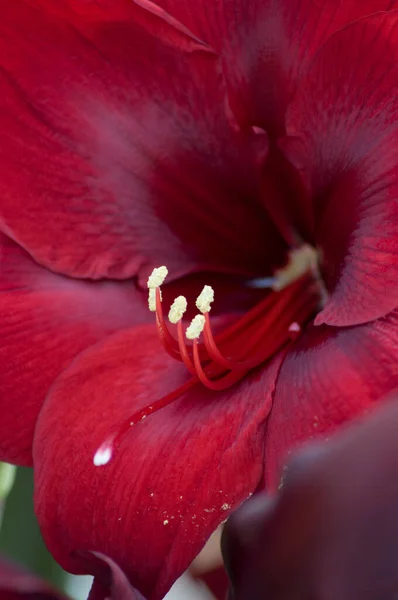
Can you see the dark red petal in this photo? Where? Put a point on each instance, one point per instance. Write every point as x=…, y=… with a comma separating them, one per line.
x=110, y=583
x=143, y=12
x=332, y=531
x=18, y=584
x=329, y=377
x=266, y=45
x=45, y=321
x=175, y=477
x=122, y=147
x=344, y=120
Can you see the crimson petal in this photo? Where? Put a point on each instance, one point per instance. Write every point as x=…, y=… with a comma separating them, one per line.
x=142, y=12
x=329, y=377
x=175, y=477
x=45, y=321
x=267, y=45
x=343, y=125
x=120, y=145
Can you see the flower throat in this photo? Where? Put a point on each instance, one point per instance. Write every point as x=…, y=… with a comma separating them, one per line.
x=219, y=362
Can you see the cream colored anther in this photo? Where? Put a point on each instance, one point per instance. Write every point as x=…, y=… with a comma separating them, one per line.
x=204, y=300
x=157, y=277
x=196, y=327
x=177, y=309
x=152, y=299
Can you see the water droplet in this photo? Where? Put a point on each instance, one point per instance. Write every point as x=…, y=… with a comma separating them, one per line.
x=103, y=455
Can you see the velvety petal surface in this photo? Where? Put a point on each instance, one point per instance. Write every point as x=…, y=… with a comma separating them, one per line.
x=45, y=321
x=330, y=376
x=121, y=145
x=175, y=476
x=266, y=45
x=18, y=584
x=145, y=13
x=344, y=127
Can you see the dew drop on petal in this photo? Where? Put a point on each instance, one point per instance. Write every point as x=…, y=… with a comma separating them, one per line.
x=103, y=454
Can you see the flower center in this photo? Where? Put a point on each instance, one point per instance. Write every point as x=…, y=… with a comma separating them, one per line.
x=221, y=361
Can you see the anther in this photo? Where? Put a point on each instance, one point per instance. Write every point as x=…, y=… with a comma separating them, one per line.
x=155, y=280
x=152, y=299
x=157, y=277
x=196, y=327
x=177, y=309
x=204, y=300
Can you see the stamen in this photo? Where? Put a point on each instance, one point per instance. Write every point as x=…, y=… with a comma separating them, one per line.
x=204, y=300
x=152, y=299
x=196, y=327
x=177, y=309
x=169, y=343
x=223, y=360
x=184, y=350
x=157, y=277
x=221, y=384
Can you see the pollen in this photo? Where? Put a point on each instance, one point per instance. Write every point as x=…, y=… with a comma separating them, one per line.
x=152, y=299
x=301, y=260
x=204, y=300
x=196, y=327
x=177, y=309
x=157, y=277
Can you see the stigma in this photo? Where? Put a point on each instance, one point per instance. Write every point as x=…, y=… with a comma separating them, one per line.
x=220, y=361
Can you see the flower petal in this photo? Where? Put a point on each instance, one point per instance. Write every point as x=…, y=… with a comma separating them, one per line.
x=45, y=321
x=344, y=128
x=174, y=478
x=110, y=583
x=18, y=584
x=329, y=377
x=267, y=45
x=143, y=12
x=122, y=147
x=332, y=530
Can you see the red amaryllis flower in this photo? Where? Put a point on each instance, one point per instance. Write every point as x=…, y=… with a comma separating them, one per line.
x=211, y=139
